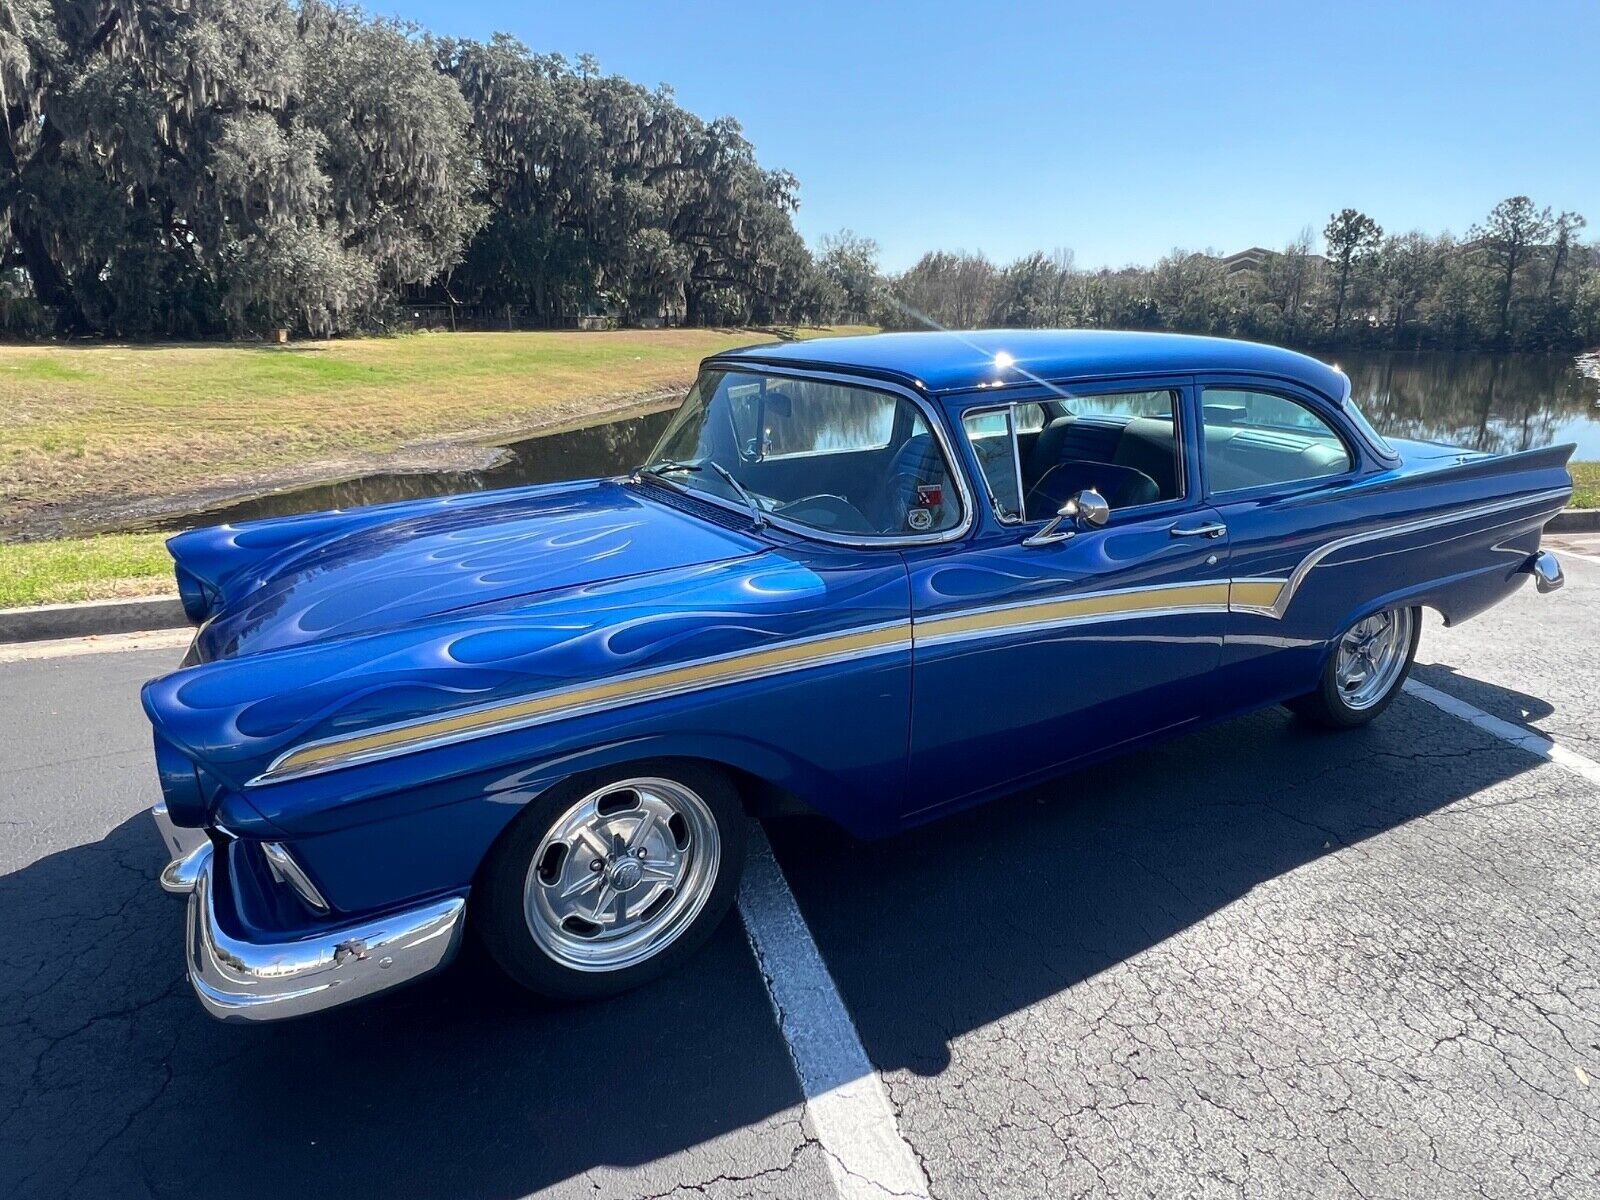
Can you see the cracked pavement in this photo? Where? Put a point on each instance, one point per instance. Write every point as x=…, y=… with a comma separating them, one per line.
x=1253, y=961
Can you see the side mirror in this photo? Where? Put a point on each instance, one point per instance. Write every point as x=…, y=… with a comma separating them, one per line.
x=1086, y=510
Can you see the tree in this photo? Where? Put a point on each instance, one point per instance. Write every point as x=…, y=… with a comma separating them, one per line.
x=1507, y=239
x=1408, y=267
x=850, y=264
x=1288, y=280
x=225, y=164
x=1567, y=224
x=1351, y=236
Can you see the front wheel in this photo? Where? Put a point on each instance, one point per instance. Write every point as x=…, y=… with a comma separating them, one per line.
x=1365, y=670
x=611, y=879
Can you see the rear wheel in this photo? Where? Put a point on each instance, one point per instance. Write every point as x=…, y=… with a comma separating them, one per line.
x=610, y=879
x=1365, y=672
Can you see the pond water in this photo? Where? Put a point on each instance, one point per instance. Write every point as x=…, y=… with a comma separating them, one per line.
x=608, y=449
x=1486, y=402
x=1492, y=402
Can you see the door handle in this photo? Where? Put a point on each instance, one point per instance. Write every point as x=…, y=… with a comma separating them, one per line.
x=1211, y=529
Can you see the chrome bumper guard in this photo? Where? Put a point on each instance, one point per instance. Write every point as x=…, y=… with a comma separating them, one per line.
x=1546, y=571
x=239, y=980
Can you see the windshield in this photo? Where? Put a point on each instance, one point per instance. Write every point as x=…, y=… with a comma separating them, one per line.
x=839, y=459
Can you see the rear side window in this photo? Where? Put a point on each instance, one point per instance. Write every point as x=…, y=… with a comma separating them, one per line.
x=1253, y=439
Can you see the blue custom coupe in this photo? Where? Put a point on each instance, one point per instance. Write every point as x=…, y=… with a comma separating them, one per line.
x=880, y=579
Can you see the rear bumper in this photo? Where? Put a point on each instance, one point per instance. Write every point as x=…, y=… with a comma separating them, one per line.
x=1546, y=571
x=241, y=980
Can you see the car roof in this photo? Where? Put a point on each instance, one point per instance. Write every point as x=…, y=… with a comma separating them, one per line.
x=951, y=361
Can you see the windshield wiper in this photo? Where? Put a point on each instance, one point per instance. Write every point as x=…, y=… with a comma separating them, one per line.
x=671, y=466
x=665, y=466
x=757, y=517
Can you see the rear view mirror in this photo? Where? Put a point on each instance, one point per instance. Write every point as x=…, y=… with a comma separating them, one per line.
x=1085, y=510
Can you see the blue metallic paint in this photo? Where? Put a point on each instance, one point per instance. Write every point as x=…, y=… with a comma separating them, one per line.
x=334, y=625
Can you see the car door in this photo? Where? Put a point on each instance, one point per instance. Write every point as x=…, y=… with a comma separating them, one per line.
x=1030, y=656
x=1279, y=468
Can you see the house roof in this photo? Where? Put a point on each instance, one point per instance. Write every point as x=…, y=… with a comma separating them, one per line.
x=942, y=362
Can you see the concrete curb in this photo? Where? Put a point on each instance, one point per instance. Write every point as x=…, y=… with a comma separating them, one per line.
x=133, y=615
x=1575, y=520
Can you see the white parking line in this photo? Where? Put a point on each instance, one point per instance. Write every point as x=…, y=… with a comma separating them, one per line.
x=1518, y=735
x=846, y=1101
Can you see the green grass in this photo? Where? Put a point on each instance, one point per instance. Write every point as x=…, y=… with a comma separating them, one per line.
x=80, y=424
x=1585, y=484
x=94, y=568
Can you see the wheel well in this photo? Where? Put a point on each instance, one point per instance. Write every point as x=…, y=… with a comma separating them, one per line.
x=760, y=797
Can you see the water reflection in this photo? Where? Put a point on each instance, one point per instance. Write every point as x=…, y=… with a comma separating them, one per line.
x=1492, y=402
x=1486, y=402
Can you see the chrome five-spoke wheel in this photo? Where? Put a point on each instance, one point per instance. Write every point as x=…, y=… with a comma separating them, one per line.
x=1364, y=672
x=611, y=877
x=1372, y=656
x=621, y=873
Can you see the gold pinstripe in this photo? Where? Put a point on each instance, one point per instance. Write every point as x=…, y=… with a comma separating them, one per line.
x=316, y=757
x=1210, y=594
x=1261, y=596
x=793, y=656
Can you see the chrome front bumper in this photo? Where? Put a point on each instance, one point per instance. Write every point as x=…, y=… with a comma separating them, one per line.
x=239, y=980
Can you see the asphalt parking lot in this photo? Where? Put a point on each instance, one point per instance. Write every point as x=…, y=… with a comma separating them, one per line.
x=1256, y=960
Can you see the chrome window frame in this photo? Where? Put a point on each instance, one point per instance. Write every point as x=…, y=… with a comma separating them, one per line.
x=1281, y=390
x=1365, y=430
x=1008, y=407
x=1188, y=490
x=954, y=466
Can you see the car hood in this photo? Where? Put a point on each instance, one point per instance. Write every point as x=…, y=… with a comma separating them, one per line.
x=275, y=584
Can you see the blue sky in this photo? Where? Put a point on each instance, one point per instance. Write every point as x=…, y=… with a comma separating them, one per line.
x=1119, y=131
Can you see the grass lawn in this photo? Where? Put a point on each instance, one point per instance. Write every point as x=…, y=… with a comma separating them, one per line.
x=96, y=568
x=107, y=422
x=1585, y=484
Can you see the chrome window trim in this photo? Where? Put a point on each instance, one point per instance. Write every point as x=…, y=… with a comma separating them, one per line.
x=1368, y=433
x=935, y=425
x=1187, y=493
x=1010, y=409
x=907, y=635
x=1281, y=391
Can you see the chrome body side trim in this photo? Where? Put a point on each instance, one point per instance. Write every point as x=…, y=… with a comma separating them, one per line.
x=1298, y=576
x=616, y=691
x=285, y=870
x=1267, y=597
x=239, y=980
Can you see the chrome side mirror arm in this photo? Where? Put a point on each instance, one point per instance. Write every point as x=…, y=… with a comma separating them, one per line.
x=1086, y=510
